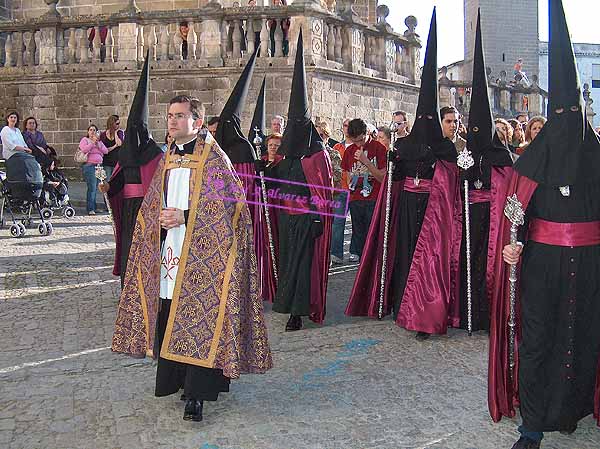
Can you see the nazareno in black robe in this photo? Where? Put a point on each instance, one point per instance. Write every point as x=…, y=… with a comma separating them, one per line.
x=412, y=208
x=560, y=315
x=297, y=236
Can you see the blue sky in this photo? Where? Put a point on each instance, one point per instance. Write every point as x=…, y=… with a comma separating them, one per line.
x=583, y=17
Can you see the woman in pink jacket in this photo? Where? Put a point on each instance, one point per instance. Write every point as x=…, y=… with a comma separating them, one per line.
x=95, y=150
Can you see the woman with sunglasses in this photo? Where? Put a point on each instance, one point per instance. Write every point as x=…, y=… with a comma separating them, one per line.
x=112, y=138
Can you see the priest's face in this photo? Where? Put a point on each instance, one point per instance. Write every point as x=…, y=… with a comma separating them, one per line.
x=450, y=123
x=181, y=123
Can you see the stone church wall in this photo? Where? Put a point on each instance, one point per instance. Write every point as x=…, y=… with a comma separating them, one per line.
x=66, y=104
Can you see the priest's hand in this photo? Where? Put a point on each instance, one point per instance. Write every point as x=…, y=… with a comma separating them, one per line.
x=103, y=187
x=171, y=217
x=512, y=253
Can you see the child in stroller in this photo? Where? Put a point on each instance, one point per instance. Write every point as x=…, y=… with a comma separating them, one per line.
x=20, y=191
x=56, y=192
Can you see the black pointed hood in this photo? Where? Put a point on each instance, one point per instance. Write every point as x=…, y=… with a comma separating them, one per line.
x=139, y=147
x=229, y=134
x=566, y=151
x=426, y=133
x=300, y=137
x=481, y=138
x=259, y=119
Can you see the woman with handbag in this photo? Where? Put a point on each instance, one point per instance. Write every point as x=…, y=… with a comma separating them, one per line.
x=94, y=150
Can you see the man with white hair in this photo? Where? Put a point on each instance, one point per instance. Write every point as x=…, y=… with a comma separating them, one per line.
x=277, y=124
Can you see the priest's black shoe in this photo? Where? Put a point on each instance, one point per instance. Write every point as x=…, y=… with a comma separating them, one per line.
x=526, y=443
x=422, y=336
x=294, y=323
x=193, y=410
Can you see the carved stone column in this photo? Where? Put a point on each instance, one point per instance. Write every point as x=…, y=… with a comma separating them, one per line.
x=412, y=50
x=110, y=46
x=8, y=51
x=18, y=47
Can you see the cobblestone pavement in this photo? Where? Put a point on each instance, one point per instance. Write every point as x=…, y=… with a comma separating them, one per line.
x=352, y=383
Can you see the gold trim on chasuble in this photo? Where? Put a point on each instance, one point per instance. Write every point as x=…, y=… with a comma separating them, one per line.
x=140, y=283
x=198, y=164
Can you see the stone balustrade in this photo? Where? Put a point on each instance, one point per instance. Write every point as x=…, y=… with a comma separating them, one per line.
x=507, y=99
x=217, y=37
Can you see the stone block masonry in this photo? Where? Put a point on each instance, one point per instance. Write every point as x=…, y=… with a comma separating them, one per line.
x=65, y=104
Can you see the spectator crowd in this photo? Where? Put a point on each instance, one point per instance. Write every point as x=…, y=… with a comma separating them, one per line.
x=358, y=159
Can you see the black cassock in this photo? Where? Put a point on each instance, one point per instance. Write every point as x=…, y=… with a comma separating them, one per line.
x=297, y=235
x=202, y=384
x=560, y=315
x=479, y=217
x=412, y=208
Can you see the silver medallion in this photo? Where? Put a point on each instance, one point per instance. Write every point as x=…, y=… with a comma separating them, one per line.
x=565, y=190
x=465, y=159
x=478, y=184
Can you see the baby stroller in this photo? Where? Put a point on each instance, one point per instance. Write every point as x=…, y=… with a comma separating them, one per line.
x=55, y=195
x=20, y=191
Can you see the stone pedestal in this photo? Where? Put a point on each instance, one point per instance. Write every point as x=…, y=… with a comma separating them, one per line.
x=128, y=38
x=313, y=35
x=211, y=43
x=48, y=46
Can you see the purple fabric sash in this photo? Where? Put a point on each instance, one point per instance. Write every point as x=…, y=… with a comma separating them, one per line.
x=479, y=196
x=133, y=191
x=564, y=234
x=426, y=303
x=424, y=185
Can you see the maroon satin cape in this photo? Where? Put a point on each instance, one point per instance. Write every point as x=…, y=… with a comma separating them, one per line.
x=430, y=268
x=364, y=299
x=116, y=203
x=503, y=391
x=499, y=181
x=427, y=304
x=263, y=252
x=247, y=173
x=318, y=172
